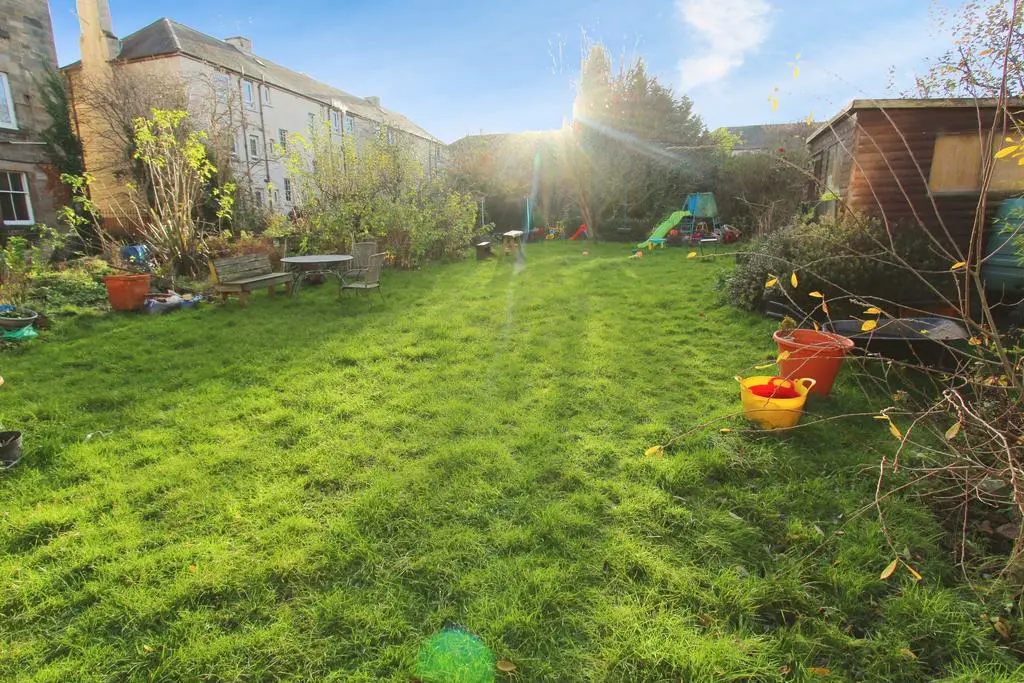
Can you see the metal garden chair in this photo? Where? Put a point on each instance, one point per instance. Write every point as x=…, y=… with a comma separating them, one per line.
x=361, y=253
x=370, y=277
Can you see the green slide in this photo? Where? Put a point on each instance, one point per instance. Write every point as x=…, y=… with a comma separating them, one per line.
x=662, y=230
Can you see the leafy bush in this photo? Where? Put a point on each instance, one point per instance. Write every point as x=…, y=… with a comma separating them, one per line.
x=851, y=256
x=71, y=289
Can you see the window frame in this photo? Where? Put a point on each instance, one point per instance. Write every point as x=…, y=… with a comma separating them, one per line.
x=257, y=197
x=282, y=137
x=249, y=93
x=392, y=136
x=254, y=146
x=336, y=124
x=27, y=192
x=288, y=190
x=5, y=85
x=349, y=124
x=265, y=95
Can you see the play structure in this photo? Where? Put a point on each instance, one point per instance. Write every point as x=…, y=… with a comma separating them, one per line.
x=582, y=232
x=698, y=223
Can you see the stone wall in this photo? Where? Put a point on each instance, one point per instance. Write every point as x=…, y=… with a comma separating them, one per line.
x=26, y=51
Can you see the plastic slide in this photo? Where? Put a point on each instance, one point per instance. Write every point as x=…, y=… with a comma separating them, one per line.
x=663, y=229
x=581, y=231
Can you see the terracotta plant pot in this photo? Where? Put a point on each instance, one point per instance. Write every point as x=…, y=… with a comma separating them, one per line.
x=814, y=354
x=127, y=292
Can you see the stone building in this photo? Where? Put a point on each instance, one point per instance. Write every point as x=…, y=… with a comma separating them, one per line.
x=27, y=182
x=247, y=103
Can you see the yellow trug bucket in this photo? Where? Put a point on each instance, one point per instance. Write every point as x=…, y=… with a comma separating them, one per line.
x=770, y=412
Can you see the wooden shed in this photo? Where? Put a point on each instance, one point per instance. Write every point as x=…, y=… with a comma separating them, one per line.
x=914, y=161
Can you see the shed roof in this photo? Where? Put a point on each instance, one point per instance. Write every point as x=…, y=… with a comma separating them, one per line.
x=762, y=136
x=167, y=37
x=909, y=103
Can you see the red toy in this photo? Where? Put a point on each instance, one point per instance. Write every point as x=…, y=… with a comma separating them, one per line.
x=581, y=231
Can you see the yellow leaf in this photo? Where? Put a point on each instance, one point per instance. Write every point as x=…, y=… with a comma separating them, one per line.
x=192, y=568
x=765, y=366
x=724, y=430
x=895, y=430
x=908, y=653
x=1007, y=151
x=820, y=671
x=881, y=417
x=782, y=356
x=815, y=322
x=772, y=281
x=958, y=265
x=889, y=569
x=817, y=295
x=824, y=307
x=796, y=72
x=974, y=341
x=953, y=431
x=1003, y=629
x=809, y=120
x=654, y=450
x=873, y=311
x=868, y=325
x=986, y=53
x=913, y=572
x=692, y=254
x=793, y=280
x=775, y=104
x=505, y=666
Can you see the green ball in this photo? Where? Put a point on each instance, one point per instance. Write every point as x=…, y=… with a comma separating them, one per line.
x=454, y=656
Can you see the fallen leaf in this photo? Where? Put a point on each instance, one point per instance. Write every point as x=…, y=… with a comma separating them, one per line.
x=735, y=516
x=784, y=669
x=724, y=430
x=818, y=529
x=817, y=295
x=147, y=648
x=772, y=281
x=1002, y=627
x=692, y=254
x=889, y=569
x=793, y=280
x=192, y=568
x=895, y=430
x=974, y=341
x=913, y=572
x=868, y=325
x=874, y=310
x=908, y=653
x=654, y=450
x=953, y=431
x=505, y=666
x=820, y=671
x=958, y=265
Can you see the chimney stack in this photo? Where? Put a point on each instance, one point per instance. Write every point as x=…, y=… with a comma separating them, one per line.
x=98, y=43
x=241, y=42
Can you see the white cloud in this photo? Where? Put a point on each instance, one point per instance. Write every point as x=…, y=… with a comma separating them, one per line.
x=728, y=30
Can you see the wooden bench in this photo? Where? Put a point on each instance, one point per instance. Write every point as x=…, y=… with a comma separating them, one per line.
x=239, y=275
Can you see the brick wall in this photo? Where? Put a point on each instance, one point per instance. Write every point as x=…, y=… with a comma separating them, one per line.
x=26, y=49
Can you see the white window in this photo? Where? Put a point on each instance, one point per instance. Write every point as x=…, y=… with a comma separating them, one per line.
x=7, y=117
x=391, y=136
x=257, y=196
x=288, y=189
x=15, y=202
x=248, y=94
x=282, y=135
x=312, y=120
x=336, y=121
x=266, y=93
x=254, y=146
x=221, y=86
x=277, y=197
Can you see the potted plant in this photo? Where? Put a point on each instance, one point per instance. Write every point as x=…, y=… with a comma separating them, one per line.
x=810, y=353
x=20, y=259
x=128, y=285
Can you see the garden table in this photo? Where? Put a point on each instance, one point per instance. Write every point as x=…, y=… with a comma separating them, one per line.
x=324, y=264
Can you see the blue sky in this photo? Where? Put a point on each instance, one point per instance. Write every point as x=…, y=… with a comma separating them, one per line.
x=458, y=68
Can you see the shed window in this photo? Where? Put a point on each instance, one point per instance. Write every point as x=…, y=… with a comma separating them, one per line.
x=957, y=166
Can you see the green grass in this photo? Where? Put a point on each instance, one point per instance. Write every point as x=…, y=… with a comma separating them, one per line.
x=310, y=490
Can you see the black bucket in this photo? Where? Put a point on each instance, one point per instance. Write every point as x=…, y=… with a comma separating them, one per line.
x=10, y=449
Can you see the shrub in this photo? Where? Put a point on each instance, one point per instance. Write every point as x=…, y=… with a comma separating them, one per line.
x=71, y=289
x=852, y=256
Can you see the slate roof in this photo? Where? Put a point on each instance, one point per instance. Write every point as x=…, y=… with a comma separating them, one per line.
x=167, y=37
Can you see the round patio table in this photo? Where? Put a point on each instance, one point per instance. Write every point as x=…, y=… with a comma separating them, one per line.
x=324, y=264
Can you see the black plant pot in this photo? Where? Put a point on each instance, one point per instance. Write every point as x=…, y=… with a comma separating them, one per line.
x=10, y=449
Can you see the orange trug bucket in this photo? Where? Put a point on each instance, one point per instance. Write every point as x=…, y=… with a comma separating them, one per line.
x=811, y=353
x=127, y=292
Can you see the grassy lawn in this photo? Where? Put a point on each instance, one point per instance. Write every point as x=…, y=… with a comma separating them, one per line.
x=310, y=490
